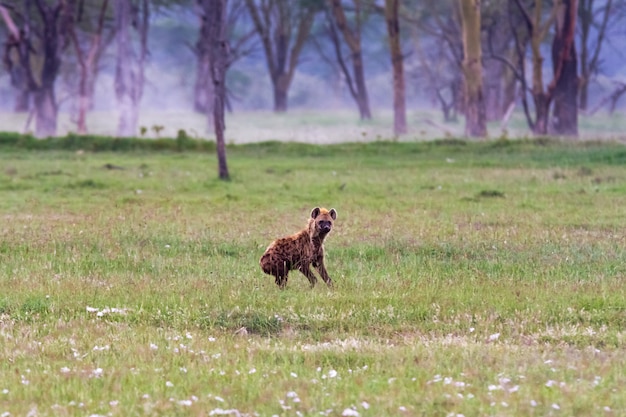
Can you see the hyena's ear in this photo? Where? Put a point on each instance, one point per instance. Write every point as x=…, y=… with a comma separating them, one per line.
x=333, y=213
x=315, y=212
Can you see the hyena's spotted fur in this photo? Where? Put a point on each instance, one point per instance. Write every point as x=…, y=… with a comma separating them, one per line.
x=301, y=250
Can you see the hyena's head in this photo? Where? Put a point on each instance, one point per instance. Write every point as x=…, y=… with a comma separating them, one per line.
x=321, y=221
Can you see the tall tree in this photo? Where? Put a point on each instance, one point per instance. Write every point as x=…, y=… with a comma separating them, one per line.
x=352, y=37
x=565, y=67
x=239, y=45
x=35, y=69
x=283, y=27
x=129, y=68
x=436, y=36
x=594, y=21
x=87, y=59
x=218, y=59
x=397, y=63
x=536, y=29
x=475, y=116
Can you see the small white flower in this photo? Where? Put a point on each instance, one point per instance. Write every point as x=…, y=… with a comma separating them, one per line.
x=65, y=370
x=153, y=346
x=514, y=389
x=294, y=375
x=98, y=372
x=494, y=337
x=402, y=408
x=556, y=406
x=5, y=391
x=350, y=412
x=365, y=405
x=211, y=339
x=292, y=394
x=332, y=373
x=252, y=371
x=113, y=403
x=533, y=403
x=186, y=403
x=220, y=399
x=167, y=246
x=471, y=329
x=550, y=383
x=169, y=384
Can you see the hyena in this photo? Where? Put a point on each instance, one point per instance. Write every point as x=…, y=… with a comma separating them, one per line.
x=301, y=250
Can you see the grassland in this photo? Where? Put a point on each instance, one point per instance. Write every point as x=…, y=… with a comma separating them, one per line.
x=471, y=279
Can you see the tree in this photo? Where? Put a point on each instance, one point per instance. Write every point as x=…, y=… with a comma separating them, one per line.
x=129, y=69
x=218, y=59
x=33, y=55
x=475, y=117
x=437, y=41
x=565, y=67
x=595, y=22
x=536, y=30
x=275, y=22
x=352, y=37
x=87, y=60
x=238, y=46
x=397, y=63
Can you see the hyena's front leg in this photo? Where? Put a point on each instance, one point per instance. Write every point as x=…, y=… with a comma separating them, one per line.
x=319, y=265
x=306, y=270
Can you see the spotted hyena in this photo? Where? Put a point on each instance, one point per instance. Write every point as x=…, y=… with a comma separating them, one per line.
x=301, y=250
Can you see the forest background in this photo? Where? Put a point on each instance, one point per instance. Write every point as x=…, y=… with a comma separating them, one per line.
x=128, y=68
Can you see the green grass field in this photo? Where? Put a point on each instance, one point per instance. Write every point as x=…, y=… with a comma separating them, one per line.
x=470, y=279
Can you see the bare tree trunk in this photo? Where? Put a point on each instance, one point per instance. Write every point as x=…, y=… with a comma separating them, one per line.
x=475, y=116
x=203, y=91
x=275, y=21
x=397, y=62
x=129, y=71
x=87, y=69
x=590, y=57
x=218, y=63
x=358, y=89
x=40, y=79
x=565, y=65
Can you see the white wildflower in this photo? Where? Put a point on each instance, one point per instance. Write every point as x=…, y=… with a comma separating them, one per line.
x=169, y=384
x=350, y=412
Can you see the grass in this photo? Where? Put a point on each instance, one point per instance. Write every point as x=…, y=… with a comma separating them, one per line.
x=471, y=279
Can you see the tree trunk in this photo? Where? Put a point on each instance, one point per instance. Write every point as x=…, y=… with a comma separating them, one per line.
x=352, y=38
x=280, y=97
x=218, y=62
x=275, y=21
x=88, y=69
x=565, y=65
x=203, y=91
x=397, y=62
x=129, y=70
x=475, y=116
x=45, y=113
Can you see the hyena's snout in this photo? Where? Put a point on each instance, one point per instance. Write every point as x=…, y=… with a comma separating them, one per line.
x=325, y=226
